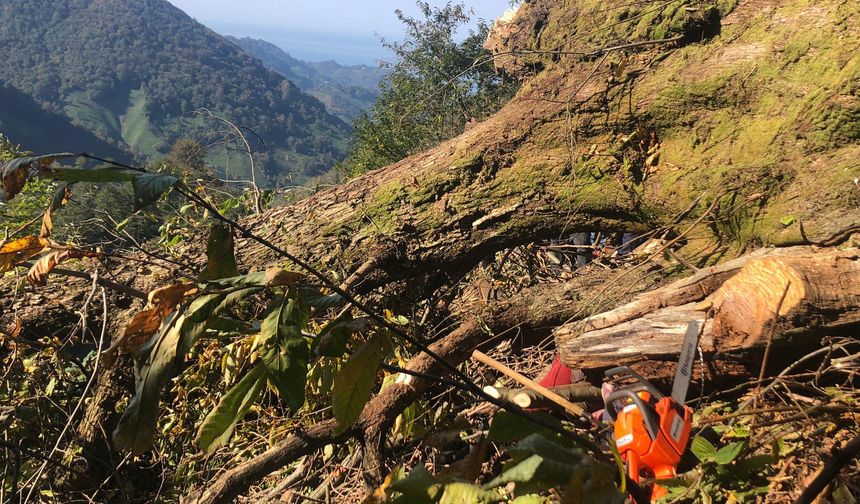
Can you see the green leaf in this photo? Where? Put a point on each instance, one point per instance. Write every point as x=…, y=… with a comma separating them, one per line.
x=333, y=338
x=136, y=428
x=557, y=463
x=274, y=317
x=467, y=493
x=353, y=385
x=703, y=449
x=286, y=363
x=522, y=472
x=548, y=449
x=123, y=224
x=787, y=220
x=728, y=453
x=508, y=428
x=220, y=256
x=59, y=197
x=96, y=176
x=756, y=463
x=285, y=351
x=316, y=299
x=253, y=279
x=332, y=341
x=229, y=325
x=148, y=187
x=234, y=297
x=198, y=314
x=419, y=486
x=528, y=499
x=16, y=164
x=219, y=424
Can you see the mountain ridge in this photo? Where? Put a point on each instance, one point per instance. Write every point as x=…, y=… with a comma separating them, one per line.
x=346, y=90
x=135, y=71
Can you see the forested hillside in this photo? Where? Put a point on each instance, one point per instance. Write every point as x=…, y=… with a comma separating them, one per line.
x=41, y=130
x=346, y=90
x=135, y=71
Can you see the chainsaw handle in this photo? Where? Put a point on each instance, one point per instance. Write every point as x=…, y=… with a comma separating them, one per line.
x=651, y=424
x=642, y=385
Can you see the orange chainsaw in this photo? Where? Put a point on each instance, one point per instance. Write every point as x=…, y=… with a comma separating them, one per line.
x=651, y=431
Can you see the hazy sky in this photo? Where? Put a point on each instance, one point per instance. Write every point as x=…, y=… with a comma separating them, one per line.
x=342, y=30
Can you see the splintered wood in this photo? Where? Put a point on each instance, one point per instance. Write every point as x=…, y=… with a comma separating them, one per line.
x=737, y=310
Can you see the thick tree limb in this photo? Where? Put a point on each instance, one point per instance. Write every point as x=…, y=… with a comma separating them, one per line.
x=534, y=312
x=829, y=471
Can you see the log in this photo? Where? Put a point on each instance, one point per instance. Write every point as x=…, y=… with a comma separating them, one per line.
x=526, y=398
x=823, y=298
x=550, y=395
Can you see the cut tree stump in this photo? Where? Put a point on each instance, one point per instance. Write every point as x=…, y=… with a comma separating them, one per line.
x=735, y=302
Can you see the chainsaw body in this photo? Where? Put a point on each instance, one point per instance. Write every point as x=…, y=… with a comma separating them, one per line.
x=651, y=431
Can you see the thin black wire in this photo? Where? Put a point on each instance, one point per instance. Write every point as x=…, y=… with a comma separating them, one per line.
x=467, y=384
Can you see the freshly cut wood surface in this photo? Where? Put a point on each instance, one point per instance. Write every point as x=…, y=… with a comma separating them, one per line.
x=736, y=302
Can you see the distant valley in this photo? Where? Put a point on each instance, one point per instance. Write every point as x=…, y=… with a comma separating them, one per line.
x=132, y=73
x=346, y=90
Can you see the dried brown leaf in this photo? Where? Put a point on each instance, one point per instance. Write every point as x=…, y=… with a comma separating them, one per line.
x=140, y=328
x=14, y=182
x=47, y=225
x=38, y=274
x=277, y=277
x=14, y=329
x=168, y=297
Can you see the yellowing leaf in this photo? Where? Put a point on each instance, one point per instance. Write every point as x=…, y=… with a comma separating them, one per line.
x=20, y=250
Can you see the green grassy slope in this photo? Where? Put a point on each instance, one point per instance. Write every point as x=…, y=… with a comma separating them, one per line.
x=28, y=124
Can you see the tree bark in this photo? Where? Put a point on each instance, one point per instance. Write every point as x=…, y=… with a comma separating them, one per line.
x=736, y=303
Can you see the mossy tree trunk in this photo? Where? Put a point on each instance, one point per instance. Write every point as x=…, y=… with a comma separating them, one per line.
x=753, y=113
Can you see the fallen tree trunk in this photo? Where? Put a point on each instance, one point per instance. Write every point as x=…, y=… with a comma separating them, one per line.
x=735, y=302
x=644, y=140
x=534, y=312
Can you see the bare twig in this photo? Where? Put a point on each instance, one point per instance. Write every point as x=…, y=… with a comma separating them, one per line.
x=258, y=197
x=35, y=478
x=125, y=289
x=770, y=341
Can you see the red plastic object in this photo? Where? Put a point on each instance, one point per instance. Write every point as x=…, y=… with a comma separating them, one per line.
x=558, y=375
